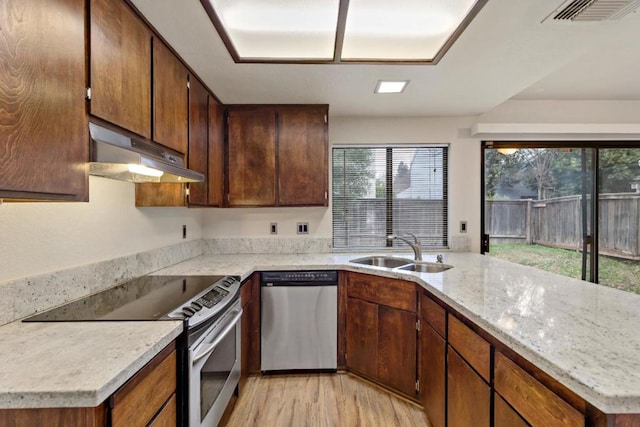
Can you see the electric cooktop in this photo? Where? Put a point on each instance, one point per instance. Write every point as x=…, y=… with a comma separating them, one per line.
x=147, y=298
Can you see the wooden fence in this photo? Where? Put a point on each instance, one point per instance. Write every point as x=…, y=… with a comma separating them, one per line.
x=557, y=222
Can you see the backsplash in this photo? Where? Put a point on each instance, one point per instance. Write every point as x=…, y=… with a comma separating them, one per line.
x=23, y=297
x=294, y=245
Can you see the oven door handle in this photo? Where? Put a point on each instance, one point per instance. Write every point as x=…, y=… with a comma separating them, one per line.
x=220, y=337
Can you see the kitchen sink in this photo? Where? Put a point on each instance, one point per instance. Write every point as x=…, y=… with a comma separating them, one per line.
x=383, y=261
x=426, y=267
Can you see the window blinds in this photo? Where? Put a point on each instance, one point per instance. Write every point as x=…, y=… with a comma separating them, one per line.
x=389, y=190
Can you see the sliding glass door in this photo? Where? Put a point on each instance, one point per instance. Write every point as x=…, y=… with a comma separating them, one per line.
x=573, y=210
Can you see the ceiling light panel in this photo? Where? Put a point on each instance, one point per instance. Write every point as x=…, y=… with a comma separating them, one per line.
x=411, y=30
x=280, y=29
x=391, y=86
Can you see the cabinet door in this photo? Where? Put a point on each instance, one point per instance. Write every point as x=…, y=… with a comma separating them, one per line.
x=216, y=153
x=43, y=124
x=468, y=396
x=433, y=375
x=198, y=140
x=170, y=127
x=302, y=156
x=251, y=165
x=170, y=109
x=362, y=337
x=397, y=349
x=504, y=415
x=120, y=61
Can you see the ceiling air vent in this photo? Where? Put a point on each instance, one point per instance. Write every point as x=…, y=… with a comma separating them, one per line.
x=593, y=10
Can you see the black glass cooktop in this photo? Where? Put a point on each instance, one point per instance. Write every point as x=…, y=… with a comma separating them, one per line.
x=144, y=298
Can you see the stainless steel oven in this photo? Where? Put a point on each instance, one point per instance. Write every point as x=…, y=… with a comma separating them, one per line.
x=209, y=347
x=214, y=368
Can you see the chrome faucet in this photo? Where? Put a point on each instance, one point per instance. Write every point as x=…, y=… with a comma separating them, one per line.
x=415, y=245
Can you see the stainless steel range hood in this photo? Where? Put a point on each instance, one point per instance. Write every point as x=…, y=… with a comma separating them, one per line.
x=117, y=156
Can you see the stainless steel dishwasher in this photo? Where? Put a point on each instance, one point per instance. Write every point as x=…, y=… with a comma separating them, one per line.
x=299, y=320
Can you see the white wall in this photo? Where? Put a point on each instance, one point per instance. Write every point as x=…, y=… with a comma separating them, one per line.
x=45, y=237
x=464, y=175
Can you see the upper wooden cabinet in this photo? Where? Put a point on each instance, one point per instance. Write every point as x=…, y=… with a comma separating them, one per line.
x=171, y=124
x=277, y=155
x=216, y=153
x=198, y=140
x=44, y=140
x=303, y=152
x=120, y=65
x=252, y=161
x=170, y=99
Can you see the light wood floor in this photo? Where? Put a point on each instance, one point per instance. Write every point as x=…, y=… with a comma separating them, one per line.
x=321, y=400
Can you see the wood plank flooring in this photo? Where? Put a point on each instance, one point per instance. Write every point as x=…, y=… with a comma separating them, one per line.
x=321, y=400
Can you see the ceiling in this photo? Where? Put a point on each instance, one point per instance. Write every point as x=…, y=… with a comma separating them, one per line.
x=506, y=52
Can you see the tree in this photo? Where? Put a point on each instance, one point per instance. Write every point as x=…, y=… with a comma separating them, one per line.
x=540, y=163
x=502, y=172
x=402, y=179
x=352, y=172
x=619, y=167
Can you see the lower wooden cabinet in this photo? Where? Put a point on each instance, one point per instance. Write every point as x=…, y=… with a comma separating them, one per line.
x=167, y=415
x=532, y=400
x=144, y=397
x=362, y=337
x=504, y=415
x=54, y=417
x=433, y=353
x=468, y=396
x=381, y=341
x=397, y=349
x=250, y=328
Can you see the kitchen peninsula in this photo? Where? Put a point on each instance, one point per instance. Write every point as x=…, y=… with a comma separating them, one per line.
x=580, y=335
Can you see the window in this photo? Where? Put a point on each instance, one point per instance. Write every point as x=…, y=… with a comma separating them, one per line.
x=378, y=191
x=568, y=207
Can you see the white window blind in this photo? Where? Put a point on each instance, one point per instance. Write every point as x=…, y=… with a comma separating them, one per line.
x=378, y=191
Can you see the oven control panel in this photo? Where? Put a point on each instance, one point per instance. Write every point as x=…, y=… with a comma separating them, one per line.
x=213, y=297
x=210, y=303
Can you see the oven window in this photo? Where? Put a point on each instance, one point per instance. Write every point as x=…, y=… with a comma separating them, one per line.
x=216, y=371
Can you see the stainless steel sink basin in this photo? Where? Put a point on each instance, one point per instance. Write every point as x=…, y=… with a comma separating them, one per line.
x=383, y=261
x=426, y=267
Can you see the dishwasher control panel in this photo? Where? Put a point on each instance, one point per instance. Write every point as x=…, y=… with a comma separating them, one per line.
x=325, y=277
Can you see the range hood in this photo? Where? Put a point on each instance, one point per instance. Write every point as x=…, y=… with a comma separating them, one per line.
x=116, y=156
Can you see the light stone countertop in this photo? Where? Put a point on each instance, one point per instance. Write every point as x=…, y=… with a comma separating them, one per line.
x=74, y=364
x=586, y=336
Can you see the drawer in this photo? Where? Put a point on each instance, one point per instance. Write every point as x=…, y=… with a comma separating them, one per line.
x=390, y=292
x=538, y=405
x=138, y=401
x=433, y=314
x=475, y=350
x=167, y=417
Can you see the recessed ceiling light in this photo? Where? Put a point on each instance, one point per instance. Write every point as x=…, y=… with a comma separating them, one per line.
x=340, y=31
x=391, y=86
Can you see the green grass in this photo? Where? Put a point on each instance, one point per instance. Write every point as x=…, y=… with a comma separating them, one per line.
x=613, y=272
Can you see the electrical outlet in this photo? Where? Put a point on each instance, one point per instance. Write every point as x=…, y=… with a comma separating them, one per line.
x=463, y=226
x=273, y=228
x=303, y=228
x=184, y=231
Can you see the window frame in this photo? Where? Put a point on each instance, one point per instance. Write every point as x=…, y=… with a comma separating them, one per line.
x=396, y=244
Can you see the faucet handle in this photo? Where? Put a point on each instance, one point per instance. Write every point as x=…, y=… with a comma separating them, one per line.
x=439, y=258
